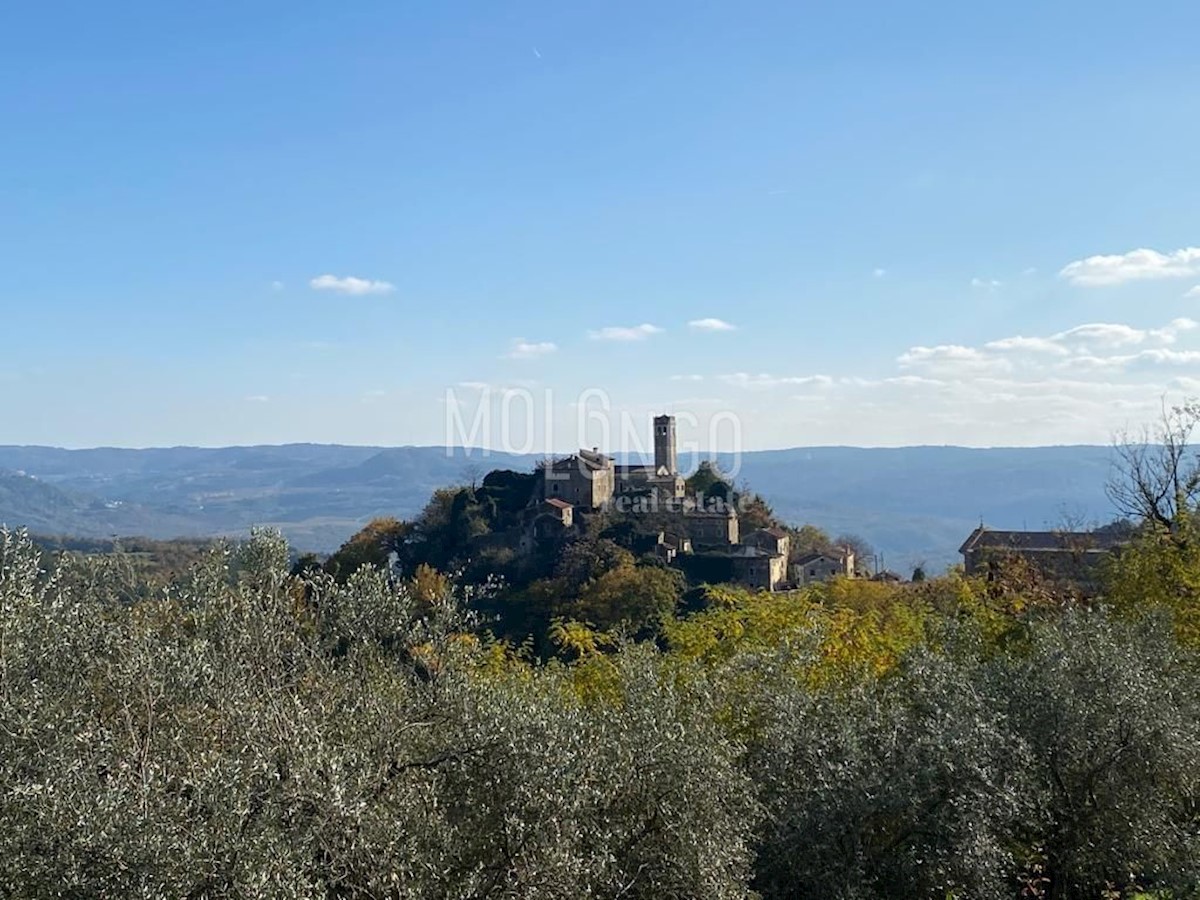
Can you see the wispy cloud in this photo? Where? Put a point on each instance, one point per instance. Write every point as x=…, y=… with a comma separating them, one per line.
x=879, y=273
x=763, y=381
x=1108, y=334
x=711, y=325
x=1136, y=265
x=624, y=333
x=258, y=398
x=1194, y=293
x=1094, y=346
x=350, y=285
x=523, y=349
x=687, y=377
x=987, y=283
x=277, y=286
x=1020, y=343
x=1158, y=356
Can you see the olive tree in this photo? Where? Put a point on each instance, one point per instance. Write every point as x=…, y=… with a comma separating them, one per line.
x=905, y=787
x=249, y=733
x=1110, y=712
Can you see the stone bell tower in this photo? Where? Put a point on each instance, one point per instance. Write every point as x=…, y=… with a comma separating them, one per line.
x=664, y=445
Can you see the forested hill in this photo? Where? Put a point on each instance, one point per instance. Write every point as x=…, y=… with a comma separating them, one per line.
x=914, y=503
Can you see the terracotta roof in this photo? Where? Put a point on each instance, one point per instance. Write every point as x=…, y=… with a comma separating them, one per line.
x=1040, y=541
x=557, y=504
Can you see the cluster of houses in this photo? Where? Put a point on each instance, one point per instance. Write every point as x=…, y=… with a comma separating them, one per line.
x=703, y=536
x=697, y=534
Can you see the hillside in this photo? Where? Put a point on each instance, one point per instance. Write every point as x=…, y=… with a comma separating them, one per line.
x=913, y=503
x=31, y=503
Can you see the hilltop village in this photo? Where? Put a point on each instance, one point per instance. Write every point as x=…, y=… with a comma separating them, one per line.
x=701, y=527
x=699, y=532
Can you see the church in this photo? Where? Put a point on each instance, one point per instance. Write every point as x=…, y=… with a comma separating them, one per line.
x=590, y=479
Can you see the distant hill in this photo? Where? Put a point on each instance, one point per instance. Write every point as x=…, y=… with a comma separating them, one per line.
x=30, y=503
x=913, y=503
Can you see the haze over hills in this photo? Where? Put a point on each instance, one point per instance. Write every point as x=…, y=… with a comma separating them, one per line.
x=913, y=503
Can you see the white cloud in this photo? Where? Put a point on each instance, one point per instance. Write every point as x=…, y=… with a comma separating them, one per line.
x=989, y=283
x=1143, y=359
x=913, y=381
x=523, y=349
x=955, y=352
x=687, y=377
x=350, y=285
x=879, y=273
x=1091, y=347
x=1136, y=265
x=258, y=398
x=895, y=380
x=1164, y=357
x=1073, y=385
x=1104, y=334
x=711, y=325
x=1194, y=293
x=1173, y=330
x=1107, y=334
x=623, y=333
x=1027, y=344
x=763, y=381
x=277, y=286
x=951, y=358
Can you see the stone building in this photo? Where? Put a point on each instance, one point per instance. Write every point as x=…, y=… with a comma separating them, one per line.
x=662, y=478
x=775, y=541
x=553, y=515
x=704, y=540
x=814, y=567
x=585, y=479
x=1068, y=557
x=711, y=528
x=761, y=561
x=758, y=568
x=590, y=479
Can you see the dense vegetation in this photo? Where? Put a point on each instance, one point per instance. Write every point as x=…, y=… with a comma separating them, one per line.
x=260, y=727
x=606, y=576
x=250, y=732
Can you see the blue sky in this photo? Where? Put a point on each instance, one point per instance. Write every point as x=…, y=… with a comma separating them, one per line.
x=922, y=223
